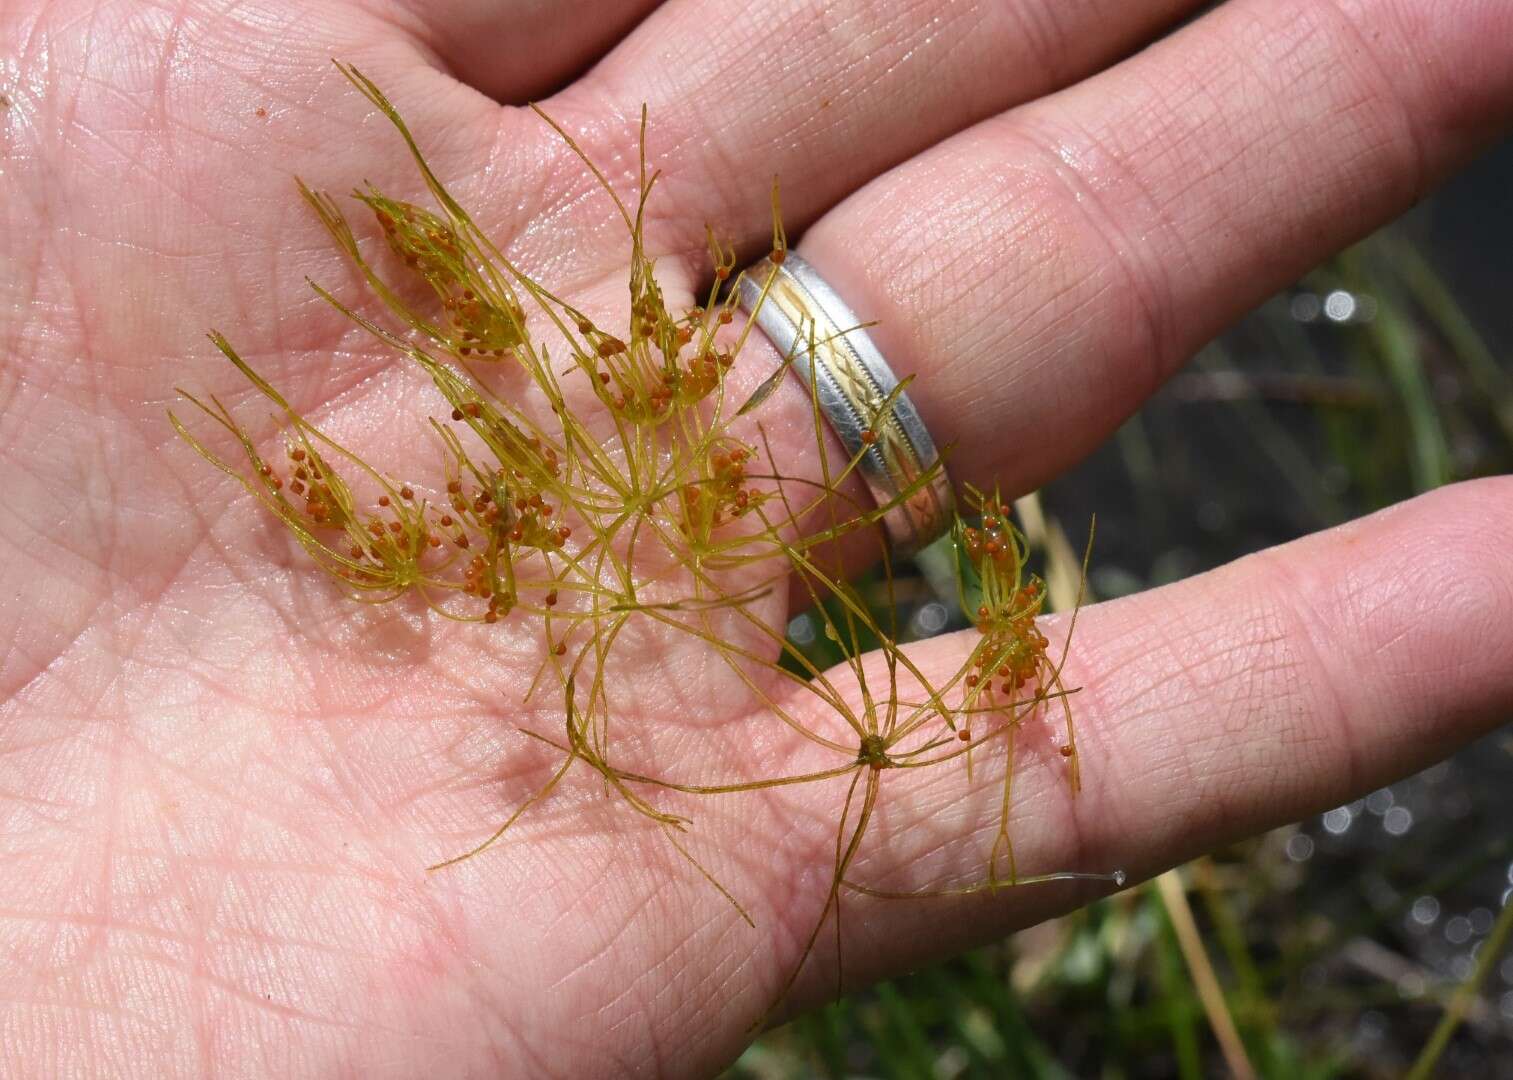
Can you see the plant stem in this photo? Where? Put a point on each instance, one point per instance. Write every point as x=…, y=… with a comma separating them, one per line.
x=1174, y=896
x=1455, y=1011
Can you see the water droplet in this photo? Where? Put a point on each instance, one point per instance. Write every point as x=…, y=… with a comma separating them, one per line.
x=1481, y=921
x=1211, y=515
x=1397, y=820
x=1372, y=1026
x=1379, y=802
x=1300, y=847
x=1120, y=878
x=1458, y=930
x=931, y=619
x=1337, y=820
x=1339, y=306
x=1425, y=910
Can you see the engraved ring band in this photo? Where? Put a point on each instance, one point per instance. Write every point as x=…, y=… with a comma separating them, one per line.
x=804, y=319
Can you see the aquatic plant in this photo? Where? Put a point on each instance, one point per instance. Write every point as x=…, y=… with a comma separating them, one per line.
x=611, y=485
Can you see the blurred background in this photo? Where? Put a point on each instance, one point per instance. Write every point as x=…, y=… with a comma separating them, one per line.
x=1363, y=943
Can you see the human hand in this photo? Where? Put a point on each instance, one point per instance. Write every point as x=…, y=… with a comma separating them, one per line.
x=222, y=784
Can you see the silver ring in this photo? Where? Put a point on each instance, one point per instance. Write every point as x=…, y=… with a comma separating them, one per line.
x=804, y=318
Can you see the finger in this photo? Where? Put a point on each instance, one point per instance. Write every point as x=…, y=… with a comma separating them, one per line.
x=1044, y=271
x=1213, y=709
x=827, y=95
x=521, y=49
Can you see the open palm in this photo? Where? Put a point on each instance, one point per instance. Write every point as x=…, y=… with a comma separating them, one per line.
x=221, y=783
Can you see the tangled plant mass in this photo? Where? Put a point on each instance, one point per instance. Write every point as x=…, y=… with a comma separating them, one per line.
x=617, y=491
